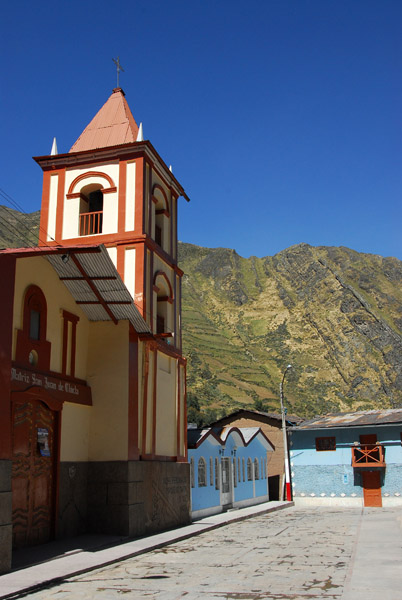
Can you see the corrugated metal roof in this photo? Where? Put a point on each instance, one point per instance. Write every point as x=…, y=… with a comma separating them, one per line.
x=354, y=419
x=94, y=283
x=290, y=419
x=195, y=436
x=113, y=125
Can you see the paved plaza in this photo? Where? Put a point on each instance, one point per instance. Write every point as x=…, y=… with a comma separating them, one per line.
x=292, y=554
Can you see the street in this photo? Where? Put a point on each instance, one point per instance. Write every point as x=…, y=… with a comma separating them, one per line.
x=291, y=554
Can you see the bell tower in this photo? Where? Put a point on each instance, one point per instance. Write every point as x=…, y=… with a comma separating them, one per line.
x=113, y=188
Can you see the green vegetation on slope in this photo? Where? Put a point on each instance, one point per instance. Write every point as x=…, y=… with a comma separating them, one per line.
x=333, y=313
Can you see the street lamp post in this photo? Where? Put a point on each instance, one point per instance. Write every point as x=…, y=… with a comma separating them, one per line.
x=285, y=438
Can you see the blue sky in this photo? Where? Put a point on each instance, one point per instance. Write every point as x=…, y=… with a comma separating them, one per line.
x=281, y=119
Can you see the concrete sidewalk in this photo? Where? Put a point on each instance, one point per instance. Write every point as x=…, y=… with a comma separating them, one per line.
x=55, y=561
x=376, y=564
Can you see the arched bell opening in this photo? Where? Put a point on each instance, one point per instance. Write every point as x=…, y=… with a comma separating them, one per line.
x=91, y=209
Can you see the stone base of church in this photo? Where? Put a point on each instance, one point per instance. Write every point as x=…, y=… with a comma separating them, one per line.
x=5, y=516
x=73, y=499
x=131, y=498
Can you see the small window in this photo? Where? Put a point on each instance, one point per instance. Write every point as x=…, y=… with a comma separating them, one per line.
x=216, y=474
x=249, y=470
x=34, y=325
x=239, y=468
x=158, y=235
x=256, y=469
x=32, y=348
x=244, y=470
x=325, y=444
x=69, y=343
x=161, y=214
x=160, y=324
x=202, y=472
x=211, y=471
x=234, y=473
x=164, y=303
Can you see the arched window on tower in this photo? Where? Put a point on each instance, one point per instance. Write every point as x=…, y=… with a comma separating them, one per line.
x=91, y=209
x=162, y=217
x=164, y=305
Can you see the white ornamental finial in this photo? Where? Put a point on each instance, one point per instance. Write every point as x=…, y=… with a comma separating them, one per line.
x=170, y=168
x=53, y=151
x=140, y=134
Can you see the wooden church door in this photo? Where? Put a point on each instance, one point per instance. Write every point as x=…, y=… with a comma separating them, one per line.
x=34, y=462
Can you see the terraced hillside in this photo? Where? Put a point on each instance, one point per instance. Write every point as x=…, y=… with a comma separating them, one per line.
x=333, y=313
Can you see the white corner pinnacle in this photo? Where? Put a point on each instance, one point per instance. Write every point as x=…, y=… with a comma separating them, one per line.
x=53, y=151
x=170, y=168
x=140, y=134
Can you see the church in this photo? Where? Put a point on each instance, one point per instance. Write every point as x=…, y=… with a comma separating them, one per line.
x=92, y=379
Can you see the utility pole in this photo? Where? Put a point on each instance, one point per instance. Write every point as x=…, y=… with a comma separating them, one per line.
x=287, y=493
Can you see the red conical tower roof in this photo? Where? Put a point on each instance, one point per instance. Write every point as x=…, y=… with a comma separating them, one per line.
x=113, y=125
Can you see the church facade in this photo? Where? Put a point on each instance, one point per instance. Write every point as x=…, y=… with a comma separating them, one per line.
x=92, y=379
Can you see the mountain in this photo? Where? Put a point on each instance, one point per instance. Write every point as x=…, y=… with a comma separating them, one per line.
x=333, y=313
x=18, y=229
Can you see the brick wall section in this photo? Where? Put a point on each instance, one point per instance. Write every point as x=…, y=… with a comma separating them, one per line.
x=72, y=513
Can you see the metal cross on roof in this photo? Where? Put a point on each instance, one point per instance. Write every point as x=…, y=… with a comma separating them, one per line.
x=118, y=68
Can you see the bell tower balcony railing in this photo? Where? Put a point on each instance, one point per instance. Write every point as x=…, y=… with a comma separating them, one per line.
x=368, y=455
x=91, y=223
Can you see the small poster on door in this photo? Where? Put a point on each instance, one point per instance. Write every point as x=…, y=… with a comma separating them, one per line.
x=43, y=441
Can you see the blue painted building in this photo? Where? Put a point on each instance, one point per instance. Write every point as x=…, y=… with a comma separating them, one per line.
x=348, y=459
x=229, y=468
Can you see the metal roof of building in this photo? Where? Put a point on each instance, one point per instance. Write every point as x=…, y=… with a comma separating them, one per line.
x=354, y=419
x=194, y=436
x=96, y=286
x=290, y=419
x=247, y=432
x=112, y=125
x=90, y=276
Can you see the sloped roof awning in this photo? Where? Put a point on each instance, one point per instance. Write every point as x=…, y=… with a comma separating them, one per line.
x=94, y=283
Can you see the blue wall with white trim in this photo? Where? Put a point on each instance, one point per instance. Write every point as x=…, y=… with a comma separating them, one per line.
x=206, y=497
x=330, y=473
